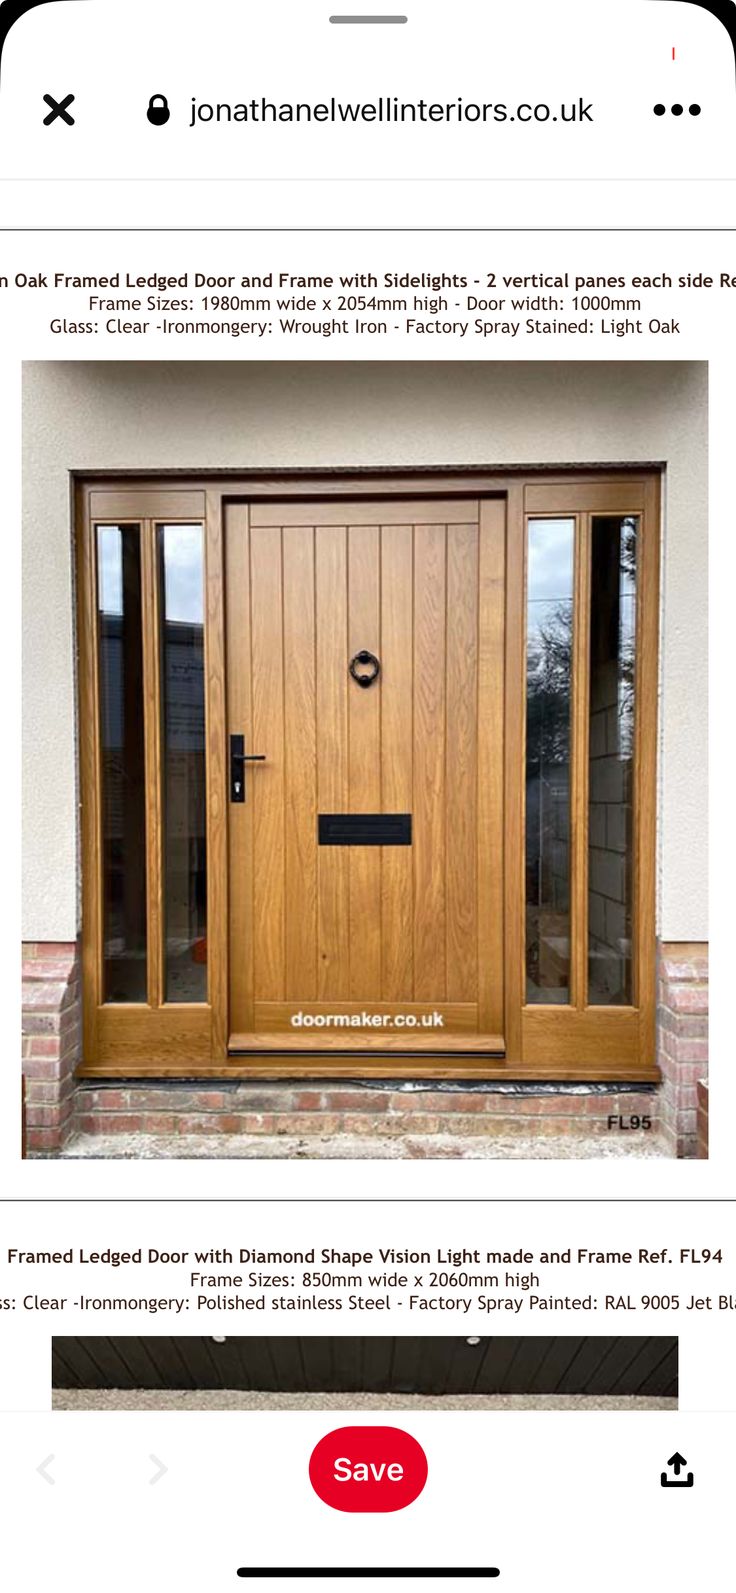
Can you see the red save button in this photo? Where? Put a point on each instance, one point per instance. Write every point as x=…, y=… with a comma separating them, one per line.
x=368, y=1468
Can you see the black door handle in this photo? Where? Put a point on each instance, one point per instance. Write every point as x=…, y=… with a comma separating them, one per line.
x=239, y=757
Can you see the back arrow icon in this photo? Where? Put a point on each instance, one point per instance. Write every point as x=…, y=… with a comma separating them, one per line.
x=43, y=1470
x=160, y=1471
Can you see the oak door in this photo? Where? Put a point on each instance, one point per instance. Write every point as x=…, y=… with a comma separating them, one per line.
x=366, y=844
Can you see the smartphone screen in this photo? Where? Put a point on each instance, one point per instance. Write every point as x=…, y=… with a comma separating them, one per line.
x=367, y=387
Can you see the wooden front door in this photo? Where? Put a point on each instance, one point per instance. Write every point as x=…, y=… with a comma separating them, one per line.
x=366, y=849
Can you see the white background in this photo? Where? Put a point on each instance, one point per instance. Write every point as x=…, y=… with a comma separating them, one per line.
x=556, y=1501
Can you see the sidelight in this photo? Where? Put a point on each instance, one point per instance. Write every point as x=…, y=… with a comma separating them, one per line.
x=611, y=758
x=548, y=744
x=181, y=598
x=122, y=763
x=582, y=679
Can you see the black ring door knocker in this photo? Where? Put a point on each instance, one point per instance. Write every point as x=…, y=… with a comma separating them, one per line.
x=365, y=668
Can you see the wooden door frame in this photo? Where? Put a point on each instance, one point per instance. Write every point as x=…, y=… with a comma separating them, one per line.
x=196, y=1041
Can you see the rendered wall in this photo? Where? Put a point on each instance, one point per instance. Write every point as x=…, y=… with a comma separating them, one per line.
x=232, y=415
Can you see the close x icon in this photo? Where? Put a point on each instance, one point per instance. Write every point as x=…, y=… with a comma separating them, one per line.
x=59, y=110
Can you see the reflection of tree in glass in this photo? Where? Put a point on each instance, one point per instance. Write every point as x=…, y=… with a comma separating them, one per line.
x=628, y=553
x=549, y=667
x=548, y=690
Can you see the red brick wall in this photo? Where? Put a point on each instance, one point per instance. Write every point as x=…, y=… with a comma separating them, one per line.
x=682, y=1039
x=351, y=1109
x=51, y=1041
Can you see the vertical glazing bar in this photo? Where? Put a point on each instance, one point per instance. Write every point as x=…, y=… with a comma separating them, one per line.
x=152, y=721
x=514, y=755
x=216, y=771
x=579, y=773
x=491, y=852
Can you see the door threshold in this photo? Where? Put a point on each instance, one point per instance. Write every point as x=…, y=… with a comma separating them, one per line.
x=315, y=1045
x=365, y=1056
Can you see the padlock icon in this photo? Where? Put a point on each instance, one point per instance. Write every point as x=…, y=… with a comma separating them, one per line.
x=158, y=110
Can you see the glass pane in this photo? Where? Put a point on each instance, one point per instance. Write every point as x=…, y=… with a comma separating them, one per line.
x=120, y=640
x=612, y=682
x=551, y=547
x=182, y=721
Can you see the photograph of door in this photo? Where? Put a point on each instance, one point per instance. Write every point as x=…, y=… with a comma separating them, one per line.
x=368, y=773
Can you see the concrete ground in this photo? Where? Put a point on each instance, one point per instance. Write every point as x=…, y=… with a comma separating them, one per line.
x=347, y=1147
x=238, y=1399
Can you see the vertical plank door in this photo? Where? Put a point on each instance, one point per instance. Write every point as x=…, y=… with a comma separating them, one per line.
x=366, y=860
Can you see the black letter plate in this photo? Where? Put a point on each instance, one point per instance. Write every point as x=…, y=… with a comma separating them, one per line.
x=364, y=829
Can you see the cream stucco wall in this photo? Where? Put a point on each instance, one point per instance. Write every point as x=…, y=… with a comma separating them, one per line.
x=232, y=415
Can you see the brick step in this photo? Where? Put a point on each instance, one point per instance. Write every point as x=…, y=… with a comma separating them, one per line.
x=283, y=1110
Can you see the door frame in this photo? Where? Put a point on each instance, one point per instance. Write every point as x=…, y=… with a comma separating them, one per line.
x=179, y=1040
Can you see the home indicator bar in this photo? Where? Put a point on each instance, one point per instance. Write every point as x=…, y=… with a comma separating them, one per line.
x=368, y=1570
